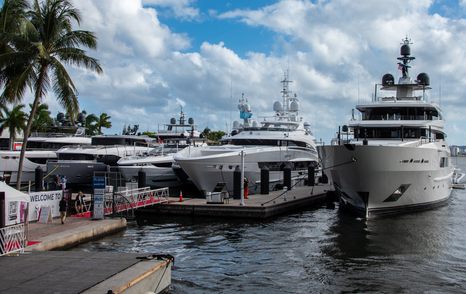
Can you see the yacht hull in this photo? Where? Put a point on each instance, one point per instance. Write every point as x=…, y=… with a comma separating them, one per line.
x=9, y=162
x=77, y=172
x=377, y=180
x=205, y=171
x=158, y=177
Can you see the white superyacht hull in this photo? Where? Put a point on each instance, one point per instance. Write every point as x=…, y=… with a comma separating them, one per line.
x=377, y=180
x=158, y=177
x=10, y=161
x=208, y=166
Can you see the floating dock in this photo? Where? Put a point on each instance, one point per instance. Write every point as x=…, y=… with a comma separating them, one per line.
x=258, y=206
x=84, y=272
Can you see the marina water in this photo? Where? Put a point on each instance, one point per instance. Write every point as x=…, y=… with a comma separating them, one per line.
x=312, y=251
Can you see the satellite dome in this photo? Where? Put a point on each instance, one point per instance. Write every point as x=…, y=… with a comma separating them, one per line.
x=172, y=120
x=247, y=107
x=277, y=106
x=255, y=124
x=388, y=80
x=405, y=50
x=294, y=106
x=190, y=121
x=423, y=79
x=235, y=124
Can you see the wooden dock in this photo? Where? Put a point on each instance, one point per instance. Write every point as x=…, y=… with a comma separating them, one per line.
x=257, y=206
x=83, y=272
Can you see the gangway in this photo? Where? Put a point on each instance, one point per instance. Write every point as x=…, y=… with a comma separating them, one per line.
x=129, y=200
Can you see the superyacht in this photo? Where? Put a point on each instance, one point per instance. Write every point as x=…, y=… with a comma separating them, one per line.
x=394, y=158
x=283, y=139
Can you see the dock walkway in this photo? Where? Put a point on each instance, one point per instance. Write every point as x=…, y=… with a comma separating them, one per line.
x=257, y=206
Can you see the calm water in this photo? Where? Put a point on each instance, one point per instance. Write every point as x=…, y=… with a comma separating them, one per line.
x=317, y=250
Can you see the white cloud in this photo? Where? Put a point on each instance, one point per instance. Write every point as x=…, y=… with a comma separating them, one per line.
x=181, y=8
x=334, y=49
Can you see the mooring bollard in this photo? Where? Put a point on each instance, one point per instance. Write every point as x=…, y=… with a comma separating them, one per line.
x=311, y=175
x=141, y=179
x=38, y=179
x=237, y=183
x=265, y=178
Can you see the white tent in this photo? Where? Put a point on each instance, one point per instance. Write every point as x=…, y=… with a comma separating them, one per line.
x=11, y=194
x=13, y=205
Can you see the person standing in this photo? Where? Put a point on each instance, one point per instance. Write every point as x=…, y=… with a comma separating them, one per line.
x=79, y=202
x=63, y=205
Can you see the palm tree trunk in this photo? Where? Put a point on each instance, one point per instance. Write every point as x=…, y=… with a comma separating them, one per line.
x=26, y=132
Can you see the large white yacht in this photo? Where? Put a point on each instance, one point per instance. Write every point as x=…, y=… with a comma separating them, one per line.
x=78, y=163
x=395, y=157
x=273, y=142
x=157, y=164
x=40, y=148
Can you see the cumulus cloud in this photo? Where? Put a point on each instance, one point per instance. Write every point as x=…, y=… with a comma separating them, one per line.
x=335, y=51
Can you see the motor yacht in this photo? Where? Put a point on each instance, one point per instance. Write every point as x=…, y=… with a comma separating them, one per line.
x=394, y=157
x=274, y=142
x=157, y=164
x=41, y=147
x=78, y=163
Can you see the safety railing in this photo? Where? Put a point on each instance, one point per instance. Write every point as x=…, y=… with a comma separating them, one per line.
x=12, y=239
x=129, y=200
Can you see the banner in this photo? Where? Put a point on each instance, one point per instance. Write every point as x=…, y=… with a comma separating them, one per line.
x=44, y=199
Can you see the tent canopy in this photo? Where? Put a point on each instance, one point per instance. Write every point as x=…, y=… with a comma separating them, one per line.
x=12, y=194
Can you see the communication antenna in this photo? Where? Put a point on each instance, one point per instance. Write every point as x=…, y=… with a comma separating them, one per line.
x=440, y=92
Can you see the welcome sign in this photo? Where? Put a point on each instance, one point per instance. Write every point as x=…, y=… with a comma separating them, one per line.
x=44, y=199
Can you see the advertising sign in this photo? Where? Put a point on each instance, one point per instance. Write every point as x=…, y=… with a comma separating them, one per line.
x=44, y=199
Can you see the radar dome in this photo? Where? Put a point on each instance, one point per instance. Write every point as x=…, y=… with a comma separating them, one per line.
x=172, y=120
x=277, y=106
x=61, y=117
x=190, y=121
x=255, y=124
x=423, y=79
x=388, y=80
x=247, y=107
x=235, y=124
x=294, y=106
x=405, y=50
x=81, y=117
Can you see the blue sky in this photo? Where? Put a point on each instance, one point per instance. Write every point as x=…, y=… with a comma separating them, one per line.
x=160, y=54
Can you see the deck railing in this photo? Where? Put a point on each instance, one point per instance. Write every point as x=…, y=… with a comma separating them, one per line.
x=12, y=239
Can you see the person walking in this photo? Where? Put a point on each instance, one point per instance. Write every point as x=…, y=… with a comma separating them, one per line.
x=63, y=205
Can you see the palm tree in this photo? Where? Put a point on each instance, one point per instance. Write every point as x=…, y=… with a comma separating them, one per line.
x=90, y=124
x=38, y=57
x=14, y=120
x=42, y=120
x=103, y=122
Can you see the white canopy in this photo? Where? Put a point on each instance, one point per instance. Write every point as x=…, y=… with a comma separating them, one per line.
x=12, y=194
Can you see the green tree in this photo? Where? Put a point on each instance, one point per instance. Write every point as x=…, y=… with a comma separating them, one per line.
x=14, y=120
x=215, y=135
x=90, y=124
x=103, y=122
x=42, y=119
x=36, y=54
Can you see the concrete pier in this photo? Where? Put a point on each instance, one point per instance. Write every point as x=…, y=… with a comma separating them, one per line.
x=257, y=206
x=83, y=272
x=55, y=236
